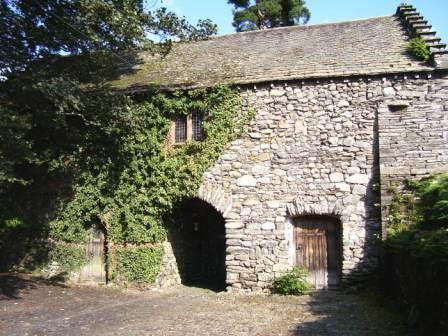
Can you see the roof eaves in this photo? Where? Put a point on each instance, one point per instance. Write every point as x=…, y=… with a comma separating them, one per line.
x=320, y=76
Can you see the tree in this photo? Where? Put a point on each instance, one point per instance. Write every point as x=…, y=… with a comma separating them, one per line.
x=49, y=49
x=56, y=108
x=33, y=30
x=249, y=15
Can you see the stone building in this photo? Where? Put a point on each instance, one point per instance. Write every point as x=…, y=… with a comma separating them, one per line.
x=343, y=112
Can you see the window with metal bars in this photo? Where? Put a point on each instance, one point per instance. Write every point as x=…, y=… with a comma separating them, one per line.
x=197, y=126
x=180, y=129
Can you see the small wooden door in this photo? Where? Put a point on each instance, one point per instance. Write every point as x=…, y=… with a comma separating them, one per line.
x=94, y=270
x=317, y=243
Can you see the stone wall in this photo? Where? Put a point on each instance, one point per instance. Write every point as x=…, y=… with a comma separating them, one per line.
x=413, y=133
x=169, y=274
x=313, y=148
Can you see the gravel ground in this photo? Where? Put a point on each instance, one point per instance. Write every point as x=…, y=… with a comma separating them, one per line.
x=35, y=307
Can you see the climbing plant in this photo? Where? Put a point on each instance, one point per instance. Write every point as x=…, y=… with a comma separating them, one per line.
x=67, y=257
x=403, y=214
x=138, y=265
x=420, y=204
x=418, y=216
x=74, y=151
x=129, y=193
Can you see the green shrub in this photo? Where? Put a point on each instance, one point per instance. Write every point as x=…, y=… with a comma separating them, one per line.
x=421, y=243
x=138, y=265
x=69, y=257
x=292, y=283
x=419, y=49
x=420, y=205
x=432, y=196
x=416, y=251
x=11, y=218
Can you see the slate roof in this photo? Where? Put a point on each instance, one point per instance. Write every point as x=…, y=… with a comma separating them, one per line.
x=363, y=47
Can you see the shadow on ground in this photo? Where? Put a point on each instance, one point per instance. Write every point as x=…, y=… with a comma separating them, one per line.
x=340, y=313
x=14, y=286
x=32, y=306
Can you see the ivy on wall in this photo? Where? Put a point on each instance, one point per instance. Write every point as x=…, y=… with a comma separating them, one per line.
x=68, y=257
x=128, y=195
x=403, y=214
x=418, y=217
x=420, y=204
x=138, y=265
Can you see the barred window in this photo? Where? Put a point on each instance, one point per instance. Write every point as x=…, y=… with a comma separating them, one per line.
x=180, y=129
x=197, y=125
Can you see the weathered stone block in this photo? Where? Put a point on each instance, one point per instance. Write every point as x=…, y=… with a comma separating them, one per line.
x=343, y=103
x=342, y=186
x=277, y=93
x=389, y=92
x=358, y=179
x=273, y=204
x=266, y=277
x=268, y=226
x=246, y=181
x=336, y=177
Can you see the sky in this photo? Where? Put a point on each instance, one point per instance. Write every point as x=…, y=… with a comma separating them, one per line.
x=322, y=11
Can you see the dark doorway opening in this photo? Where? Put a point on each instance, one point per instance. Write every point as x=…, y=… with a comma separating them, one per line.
x=199, y=245
x=318, y=244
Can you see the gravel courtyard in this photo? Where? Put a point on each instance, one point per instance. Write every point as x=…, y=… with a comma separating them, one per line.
x=34, y=307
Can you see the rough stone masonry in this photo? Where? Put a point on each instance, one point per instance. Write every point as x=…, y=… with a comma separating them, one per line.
x=343, y=113
x=322, y=147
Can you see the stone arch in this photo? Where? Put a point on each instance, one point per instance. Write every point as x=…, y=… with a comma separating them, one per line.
x=216, y=197
x=174, y=268
x=302, y=206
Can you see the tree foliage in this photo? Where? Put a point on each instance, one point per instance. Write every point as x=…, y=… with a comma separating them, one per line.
x=33, y=30
x=432, y=201
x=51, y=52
x=260, y=14
x=421, y=205
x=73, y=151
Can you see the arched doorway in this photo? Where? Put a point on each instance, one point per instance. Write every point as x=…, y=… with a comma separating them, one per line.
x=200, y=246
x=318, y=248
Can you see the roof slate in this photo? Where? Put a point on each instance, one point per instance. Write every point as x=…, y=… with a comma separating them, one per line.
x=363, y=47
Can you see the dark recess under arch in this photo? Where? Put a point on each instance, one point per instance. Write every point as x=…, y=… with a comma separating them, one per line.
x=198, y=239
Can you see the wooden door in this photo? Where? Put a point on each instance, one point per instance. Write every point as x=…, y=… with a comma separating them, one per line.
x=317, y=243
x=94, y=270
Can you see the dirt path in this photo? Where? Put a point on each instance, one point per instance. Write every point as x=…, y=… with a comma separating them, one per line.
x=29, y=307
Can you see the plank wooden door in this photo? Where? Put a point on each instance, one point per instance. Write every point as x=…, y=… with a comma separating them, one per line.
x=94, y=270
x=317, y=243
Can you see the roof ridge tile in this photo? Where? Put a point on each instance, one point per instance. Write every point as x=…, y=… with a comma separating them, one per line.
x=307, y=26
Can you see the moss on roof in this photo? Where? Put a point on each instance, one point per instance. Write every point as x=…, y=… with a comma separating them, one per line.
x=362, y=47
